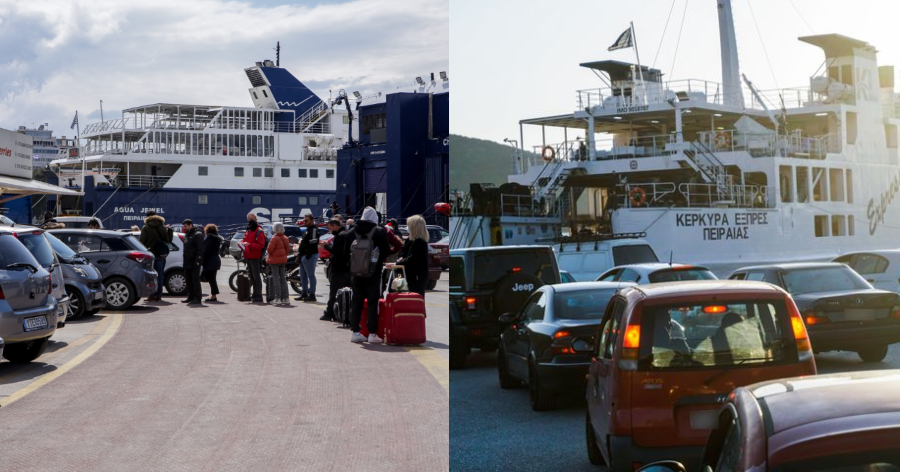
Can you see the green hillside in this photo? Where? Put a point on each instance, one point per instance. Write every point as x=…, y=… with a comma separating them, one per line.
x=475, y=160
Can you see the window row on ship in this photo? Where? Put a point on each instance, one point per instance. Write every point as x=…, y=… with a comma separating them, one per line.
x=270, y=172
x=208, y=144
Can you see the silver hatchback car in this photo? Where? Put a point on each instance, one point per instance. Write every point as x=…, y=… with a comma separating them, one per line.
x=28, y=309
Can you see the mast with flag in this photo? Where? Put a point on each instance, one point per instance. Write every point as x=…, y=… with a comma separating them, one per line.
x=628, y=40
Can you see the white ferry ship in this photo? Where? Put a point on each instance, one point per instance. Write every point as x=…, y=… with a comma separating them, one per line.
x=717, y=173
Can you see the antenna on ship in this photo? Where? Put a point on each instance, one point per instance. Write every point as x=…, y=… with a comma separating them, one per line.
x=278, y=54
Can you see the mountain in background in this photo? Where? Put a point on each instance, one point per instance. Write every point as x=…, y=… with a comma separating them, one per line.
x=475, y=160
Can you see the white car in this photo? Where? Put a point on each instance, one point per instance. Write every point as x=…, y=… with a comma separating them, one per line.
x=879, y=268
x=174, y=280
x=586, y=257
x=77, y=222
x=656, y=272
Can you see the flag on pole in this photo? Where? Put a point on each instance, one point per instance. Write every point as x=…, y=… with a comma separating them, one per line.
x=625, y=41
x=74, y=122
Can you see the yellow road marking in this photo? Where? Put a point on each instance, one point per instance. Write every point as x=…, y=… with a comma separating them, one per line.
x=435, y=363
x=110, y=332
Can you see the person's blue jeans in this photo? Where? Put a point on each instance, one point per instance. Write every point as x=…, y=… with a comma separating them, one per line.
x=308, y=273
x=159, y=265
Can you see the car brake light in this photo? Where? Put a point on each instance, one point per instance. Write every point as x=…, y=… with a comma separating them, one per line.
x=714, y=309
x=138, y=257
x=631, y=342
x=812, y=319
x=181, y=236
x=632, y=337
x=35, y=232
x=804, y=349
x=561, y=334
x=470, y=302
x=516, y=270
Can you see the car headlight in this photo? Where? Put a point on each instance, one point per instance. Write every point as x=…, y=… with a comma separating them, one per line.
x=81, y=272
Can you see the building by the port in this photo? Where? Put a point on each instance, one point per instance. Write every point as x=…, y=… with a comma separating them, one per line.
x=46, y=146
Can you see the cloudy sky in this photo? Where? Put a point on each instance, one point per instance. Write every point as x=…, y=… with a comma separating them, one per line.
x=58, y=56
x=516, y=60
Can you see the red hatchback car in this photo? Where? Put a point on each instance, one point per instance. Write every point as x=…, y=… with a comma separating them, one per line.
x=667, y=357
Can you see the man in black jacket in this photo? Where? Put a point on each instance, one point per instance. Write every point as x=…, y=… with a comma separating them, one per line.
x=193, y=255
x=340, y=265
x=368, y=288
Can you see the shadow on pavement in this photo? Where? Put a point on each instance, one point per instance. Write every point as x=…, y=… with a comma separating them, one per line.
x=10, y=372
x=87, y=319
x=436, y=345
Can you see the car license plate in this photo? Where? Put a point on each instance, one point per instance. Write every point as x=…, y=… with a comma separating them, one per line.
x=35, y=323
x=98, y=296
x=704, y=419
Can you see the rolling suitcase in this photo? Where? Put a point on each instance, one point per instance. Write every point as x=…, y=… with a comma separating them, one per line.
x=243, y=286
x=342, y=304
x=403, y=316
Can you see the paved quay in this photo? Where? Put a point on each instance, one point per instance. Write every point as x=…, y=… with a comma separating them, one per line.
x=227, y=386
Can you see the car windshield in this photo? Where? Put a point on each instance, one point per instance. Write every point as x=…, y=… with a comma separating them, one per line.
x=12, y=252
x=445, y=240
x=238, y=236
x=490, y=267
x=587, y=304
x=64, y=252
x=675, y=275
x=715, y=335
x=39, y=247
x=292, y=231
x=823, y=279
x=134, y=243
x=633, y=254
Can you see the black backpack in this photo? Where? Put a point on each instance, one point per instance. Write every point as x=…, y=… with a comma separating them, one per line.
x=161, y=248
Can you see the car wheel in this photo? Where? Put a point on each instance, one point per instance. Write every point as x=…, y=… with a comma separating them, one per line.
x=28, y=351
x=873, y=353
x=594, y=454
x=431, y=284
x=76, y=303
x=120, y=294
x=540, y=399
x=459, y=349
x=506, y=382
x=175, y=282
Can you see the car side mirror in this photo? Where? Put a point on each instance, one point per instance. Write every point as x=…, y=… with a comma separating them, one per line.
x=507, y=318
x=663, y=466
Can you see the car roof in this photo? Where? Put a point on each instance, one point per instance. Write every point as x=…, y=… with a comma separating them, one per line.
x=800, y=401
x=793, y=265
x=497, y=249
x=577, y=286
x=13, y=229
x=654, y=266
x=704, y=287
x=99, y=232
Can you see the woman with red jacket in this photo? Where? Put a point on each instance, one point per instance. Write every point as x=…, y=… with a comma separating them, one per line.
x=253, y=243
x=278, y=250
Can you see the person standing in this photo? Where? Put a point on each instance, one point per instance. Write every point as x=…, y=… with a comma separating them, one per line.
x=308, y=255
x=366, y=286
x=211, y=260
x=155, y=236
x=278, y=250
x=414, y=255
x=50, y=222
x=340, y=265
x=193, y=257
x=253, y=243
x=95, y=223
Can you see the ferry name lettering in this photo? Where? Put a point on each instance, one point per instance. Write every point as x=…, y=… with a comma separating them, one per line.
x=875, y=211
x=632, y=109
x=718, y=226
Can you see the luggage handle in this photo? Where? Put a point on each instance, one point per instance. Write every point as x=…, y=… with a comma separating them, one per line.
x=387, y=289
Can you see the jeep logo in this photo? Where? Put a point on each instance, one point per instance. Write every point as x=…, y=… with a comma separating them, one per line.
x=523, y=288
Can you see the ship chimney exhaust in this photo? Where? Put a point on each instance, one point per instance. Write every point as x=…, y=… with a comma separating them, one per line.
x=731, y=72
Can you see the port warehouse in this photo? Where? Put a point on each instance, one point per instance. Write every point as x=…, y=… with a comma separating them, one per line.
x=402, y=154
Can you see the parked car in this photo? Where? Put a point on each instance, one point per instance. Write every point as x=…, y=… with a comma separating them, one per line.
x=28, y=309
x=781, y=425
x=323, y=240
x=234, y=247
x=38, y=245
x=486, y=282
x=841, y=310
x=565, y=277
x=443, y=247
x=587, y=257
x=125, y=264
x=546, y=344
x=173, y=278
x=77, y=222
x=435, y=233
x=83, y=282
x=656, y=272
x=667, y=356
x=879, y=268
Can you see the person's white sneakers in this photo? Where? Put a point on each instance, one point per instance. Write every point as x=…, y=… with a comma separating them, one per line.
x=285, y=301
x=374, y=339
x=357, y=338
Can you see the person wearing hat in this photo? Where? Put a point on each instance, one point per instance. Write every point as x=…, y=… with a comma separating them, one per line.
x=50, y=222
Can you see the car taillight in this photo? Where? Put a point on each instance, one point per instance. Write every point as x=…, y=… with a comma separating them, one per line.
x=562, y=342
x=804, y=348
x=139, y=257
x=812, y=319
x=181, y=236
x=470, y=303
x=631, y=342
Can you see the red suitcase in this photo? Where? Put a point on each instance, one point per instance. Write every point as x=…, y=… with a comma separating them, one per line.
x=404, y=318
x=365, y=317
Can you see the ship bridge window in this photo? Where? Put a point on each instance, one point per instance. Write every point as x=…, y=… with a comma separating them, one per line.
x=818, y=184
x=265, y=94
x=257, y=171
x=802, y=184
x=255, y=96
x=285, y=172
x=314, y=173
x=203, y=170
x=329, y=173
x=784, y=179
x=851, y=127
x=836, y=184
x=270, y=172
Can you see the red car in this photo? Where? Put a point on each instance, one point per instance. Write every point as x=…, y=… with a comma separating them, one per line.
x=323, y=240
x=443, y=246
x=846, y=421
x=667, y=355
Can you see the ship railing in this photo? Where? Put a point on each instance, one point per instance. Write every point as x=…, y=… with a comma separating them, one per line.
x=108, y=126
x=142, y=181
x=644, y=194
x=522, y=205
x=647, y=93
x=701, y=195
x=611, y=148
x=766, y=145
x=791, y=97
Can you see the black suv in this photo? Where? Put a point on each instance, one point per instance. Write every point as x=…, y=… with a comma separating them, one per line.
x=487, y=282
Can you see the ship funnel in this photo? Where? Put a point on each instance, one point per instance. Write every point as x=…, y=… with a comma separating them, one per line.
x=731, y=72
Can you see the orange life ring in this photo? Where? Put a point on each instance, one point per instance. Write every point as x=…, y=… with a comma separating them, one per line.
x=548, y=153
x=638, y=196
x=723, y=140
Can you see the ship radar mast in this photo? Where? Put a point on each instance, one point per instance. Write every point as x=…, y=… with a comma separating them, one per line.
x=731, y=73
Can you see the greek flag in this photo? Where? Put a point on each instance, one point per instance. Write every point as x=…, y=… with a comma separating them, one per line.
x=74, y=122
x=624, y=41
